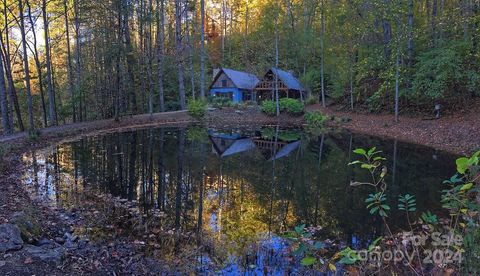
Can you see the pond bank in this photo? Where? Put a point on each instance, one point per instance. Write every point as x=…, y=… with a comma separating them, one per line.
x=49, y=248
x=456, y=133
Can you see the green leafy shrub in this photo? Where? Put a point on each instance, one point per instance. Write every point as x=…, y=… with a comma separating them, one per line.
x=269, y=108
x=197, y=108
x=315, y=119
x=291, y=106
x=461, y=201
x=33, y=135
x=304, y=245
x=446, y=71
x=312, y=100
x=460, y=233
x=219, y=102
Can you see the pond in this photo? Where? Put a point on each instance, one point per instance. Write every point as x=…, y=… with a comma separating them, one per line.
x=223, y=197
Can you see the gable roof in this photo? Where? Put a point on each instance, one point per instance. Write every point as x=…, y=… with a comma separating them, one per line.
x=288, y=79
x=242, y=80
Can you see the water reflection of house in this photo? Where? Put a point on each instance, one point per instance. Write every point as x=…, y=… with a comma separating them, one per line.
x=224, y=145
x=274, y=150
x=230, y=144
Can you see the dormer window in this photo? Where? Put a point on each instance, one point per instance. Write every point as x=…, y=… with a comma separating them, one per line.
x=224, y=83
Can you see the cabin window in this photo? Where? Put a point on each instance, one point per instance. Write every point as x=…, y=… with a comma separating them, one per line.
x=228, y=95
x=247, y=96
x=224, y=83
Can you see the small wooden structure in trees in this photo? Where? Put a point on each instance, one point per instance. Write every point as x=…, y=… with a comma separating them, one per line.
x=211, y=30
x=288, y=86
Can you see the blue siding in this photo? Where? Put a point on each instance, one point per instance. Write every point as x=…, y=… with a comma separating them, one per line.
x=237, y=94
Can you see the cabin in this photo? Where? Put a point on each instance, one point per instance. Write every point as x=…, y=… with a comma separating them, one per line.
x=288, y=86
x=236, y=85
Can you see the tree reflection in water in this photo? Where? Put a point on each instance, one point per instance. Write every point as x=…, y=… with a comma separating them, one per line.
x=230, y=193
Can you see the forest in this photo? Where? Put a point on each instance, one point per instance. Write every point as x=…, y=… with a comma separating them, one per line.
x=65, y=61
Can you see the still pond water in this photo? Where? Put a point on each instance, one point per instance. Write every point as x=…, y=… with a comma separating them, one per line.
x=232, y=192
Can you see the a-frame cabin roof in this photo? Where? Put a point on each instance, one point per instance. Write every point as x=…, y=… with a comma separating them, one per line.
x=287, y=78
x=241, y=80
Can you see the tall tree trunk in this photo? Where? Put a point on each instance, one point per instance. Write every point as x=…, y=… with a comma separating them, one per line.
x=141, y=45
x=130, y=61
x=410, y=33
x=397, y=83
x=117, y=92
x=12, y=92
x=78, y=60
x=38, y=65
x=3, y=100
x=441, y=20
x=189, y=34
x=433, y=22
x=160, y=52
x=71, y=86
x=26, y=68
x=6, y=51
x=150, y=57
x=397, y=69
x=387, y=37
x=352, y=73
x=467, y=12
x=202, y=49
x=245, y=38
x=179, y=52
x=322, y=49
x=224, y=27
x=305, y=40
x=288, y=4
x=51, y=93
x=277, y=96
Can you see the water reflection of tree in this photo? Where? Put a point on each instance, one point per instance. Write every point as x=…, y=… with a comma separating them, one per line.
x=170, y=169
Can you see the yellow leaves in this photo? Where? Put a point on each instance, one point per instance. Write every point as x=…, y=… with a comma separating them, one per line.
x=337, y=256
x=332, y=267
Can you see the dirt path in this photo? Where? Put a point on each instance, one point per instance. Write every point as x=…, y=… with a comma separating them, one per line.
x=143, y=120
x=455, y=133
